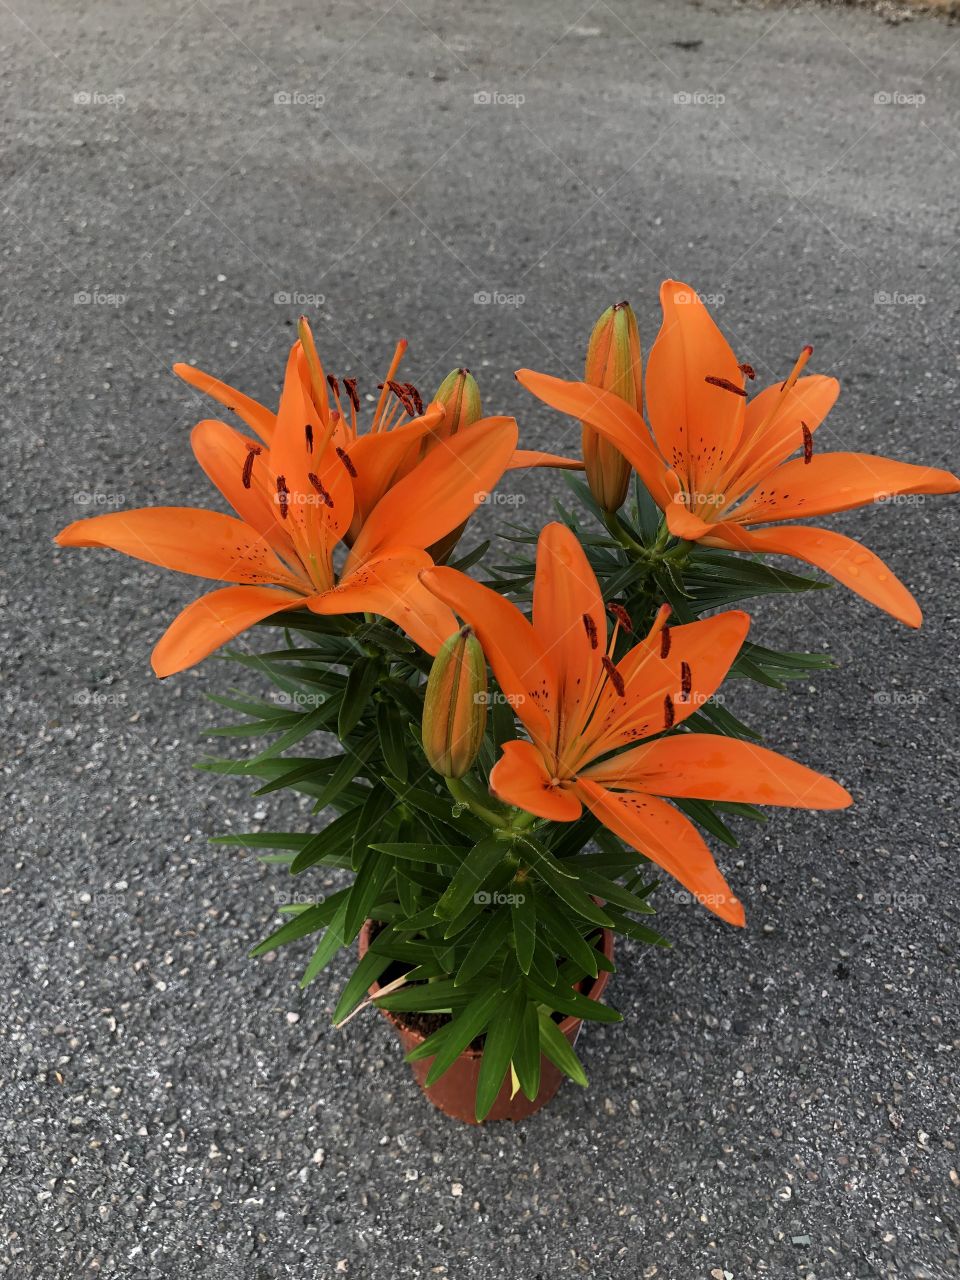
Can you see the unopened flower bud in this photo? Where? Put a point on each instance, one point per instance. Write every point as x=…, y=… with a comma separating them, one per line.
x=455, y=705
x=613, y=363
x=460, y=397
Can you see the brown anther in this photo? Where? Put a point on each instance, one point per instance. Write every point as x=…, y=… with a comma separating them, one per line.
x=686, y=681
x=668, y=712
x=748, y=371
x=318, y=485
x=616, y=679
x=807, y=443
x=591, y=629
x=308, y=436
x=351, y=388
x=283, y=497
x=399, y=389
x=345, y=459
x=252, y=451
x=725, y=385
x=619, y=612
x=334, y=385
x=415, y=397
x=665, y=642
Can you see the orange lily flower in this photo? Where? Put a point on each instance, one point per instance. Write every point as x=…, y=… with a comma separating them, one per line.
x=308, y=486
x=579, y=707
x=717, y=465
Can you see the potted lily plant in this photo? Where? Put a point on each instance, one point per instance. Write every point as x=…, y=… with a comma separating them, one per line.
x=512, y=755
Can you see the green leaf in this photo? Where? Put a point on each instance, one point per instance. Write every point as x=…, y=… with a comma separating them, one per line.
x=366, y=973
x=486, y=946
x=483, y=858
x=360, y=683
x=567, y=938
x=464, y=1029
x=566, y=999
x=392, y=740
x=526, y=1054
x=371, y=877
x=503, y=1032
x=306, y=724
x=524, y=915
x=306, y=922
x=331, y=842
x=555, y=1046
x=327, y=948
x=437, y=854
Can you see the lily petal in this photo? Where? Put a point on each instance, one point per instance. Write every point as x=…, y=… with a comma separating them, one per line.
x=568, y=613
x=527, y=459
x=250, y=486
x=706, y=766
x=379, y=457
x=845, y=559
x=837, y=482
x=764, y=447
x=211, y=621
x=684, y=665
x=520, y=777
x=612, y=417
x=440, y=492
x=524, y=670
x=205, y=544
x=664, y=835
x=254, y=414
x=696, y=422
x=389, y=585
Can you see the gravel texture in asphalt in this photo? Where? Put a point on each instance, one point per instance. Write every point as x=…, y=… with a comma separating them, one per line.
x=180, y=179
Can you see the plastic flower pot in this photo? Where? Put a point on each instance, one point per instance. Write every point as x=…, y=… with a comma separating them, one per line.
x=455, y=1092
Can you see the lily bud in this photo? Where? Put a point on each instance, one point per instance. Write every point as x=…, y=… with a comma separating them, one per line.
x=455, y=706
x=460, y=397
x=613, y=363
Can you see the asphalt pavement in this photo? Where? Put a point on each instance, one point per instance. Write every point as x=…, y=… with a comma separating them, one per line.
x=180, y=180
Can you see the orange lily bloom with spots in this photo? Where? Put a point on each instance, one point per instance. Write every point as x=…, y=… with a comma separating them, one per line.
x=717, y=463
x=307, y=484
x=580, y=708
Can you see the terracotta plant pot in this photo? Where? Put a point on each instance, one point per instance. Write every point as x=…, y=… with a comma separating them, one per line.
x=456, y=1090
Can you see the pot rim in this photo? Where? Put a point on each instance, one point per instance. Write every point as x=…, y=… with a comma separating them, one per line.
x=597, y=989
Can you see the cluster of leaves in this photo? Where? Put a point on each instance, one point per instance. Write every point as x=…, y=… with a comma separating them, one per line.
x=484, y=914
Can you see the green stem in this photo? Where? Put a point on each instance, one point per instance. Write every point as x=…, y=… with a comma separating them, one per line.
x=463, y=795
x=616, y=530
